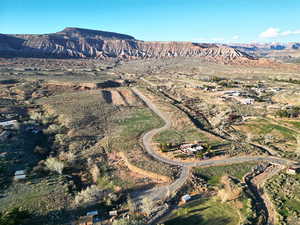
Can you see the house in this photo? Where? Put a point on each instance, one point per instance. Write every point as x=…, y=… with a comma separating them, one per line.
x=185, y=146
x=293, y=170
x=191, y=148
x=186, y=198
x=20, y=175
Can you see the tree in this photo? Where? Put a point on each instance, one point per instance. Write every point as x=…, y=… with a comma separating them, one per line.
x=13, y=217
x=131, y=204
x=89, y=196
x=200, y=155
x=55, y=165
x=147, y=206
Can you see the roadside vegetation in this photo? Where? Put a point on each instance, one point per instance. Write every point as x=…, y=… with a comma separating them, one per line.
x=284, y=191
x=226, y=185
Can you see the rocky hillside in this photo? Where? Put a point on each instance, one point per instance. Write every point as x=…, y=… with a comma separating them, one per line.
x=280, y=51
x=84, y=43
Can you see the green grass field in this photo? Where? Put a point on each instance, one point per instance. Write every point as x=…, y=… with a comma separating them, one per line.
x=129, y=126
x=263, y=127
x=213, y=174
x=285, y=194
x=295, y=124
x=204, y=212
x=184, y=136
x=138, y=121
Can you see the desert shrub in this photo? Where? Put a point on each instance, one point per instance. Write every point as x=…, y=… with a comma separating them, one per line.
x=54, y=165
x=36, y=116
x=67, y=156
x=54, y=129
x=95, y=172
x=130, y=221
x=60, y=139
x=216, y=79
x=292, y=112
x=147, y=206
x=293, y=81
x=90, y=195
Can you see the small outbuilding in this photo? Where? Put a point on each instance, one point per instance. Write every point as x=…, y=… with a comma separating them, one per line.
x=186, y=198
x=20, y=175
x=92, y=213
x=113, y=213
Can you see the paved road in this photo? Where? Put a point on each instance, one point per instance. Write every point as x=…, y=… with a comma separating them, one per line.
x=160, y=193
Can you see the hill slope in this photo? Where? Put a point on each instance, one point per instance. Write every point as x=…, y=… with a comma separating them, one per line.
x=84, y=43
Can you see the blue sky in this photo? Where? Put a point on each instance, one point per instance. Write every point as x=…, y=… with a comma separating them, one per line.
x=161, y=20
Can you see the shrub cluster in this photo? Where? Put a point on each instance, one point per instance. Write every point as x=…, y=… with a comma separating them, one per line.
x=292, y=112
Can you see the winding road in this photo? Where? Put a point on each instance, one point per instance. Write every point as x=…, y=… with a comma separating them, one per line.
x=163, y=192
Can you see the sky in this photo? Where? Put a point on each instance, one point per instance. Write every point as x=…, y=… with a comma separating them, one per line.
x=227, y=21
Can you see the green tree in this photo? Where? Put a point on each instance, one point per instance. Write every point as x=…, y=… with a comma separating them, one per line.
x=14, y=216
x=131, y=204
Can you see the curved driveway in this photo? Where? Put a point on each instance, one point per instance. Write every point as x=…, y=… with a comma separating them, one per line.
x=163, y=192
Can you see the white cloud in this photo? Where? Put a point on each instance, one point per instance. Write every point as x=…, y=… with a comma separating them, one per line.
x=270, y=33
x=290, y=32
x=275, y=32
x=235, y=37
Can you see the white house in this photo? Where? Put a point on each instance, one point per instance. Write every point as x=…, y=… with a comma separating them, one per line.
x=291, y=171
x=186, y=198
x=191, y=148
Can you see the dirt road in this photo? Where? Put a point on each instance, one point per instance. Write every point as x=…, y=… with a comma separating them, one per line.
x=163, y=192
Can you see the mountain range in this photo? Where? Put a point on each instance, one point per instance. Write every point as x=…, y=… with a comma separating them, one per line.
x=85, y=43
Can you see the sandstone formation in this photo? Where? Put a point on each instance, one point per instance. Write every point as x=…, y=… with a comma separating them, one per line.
x=84, y=43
